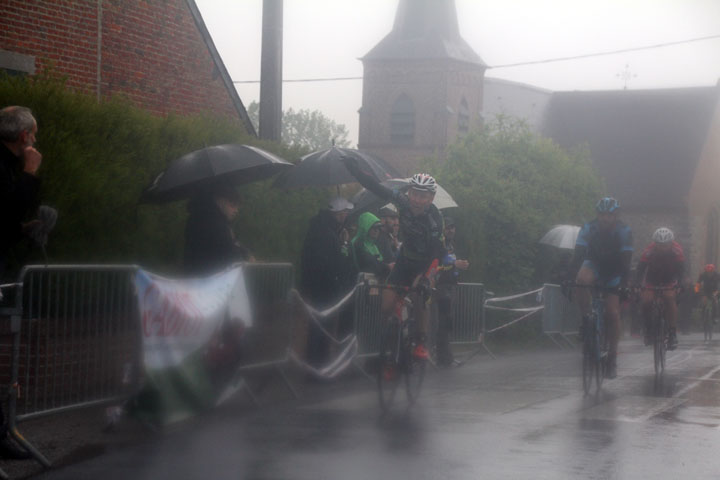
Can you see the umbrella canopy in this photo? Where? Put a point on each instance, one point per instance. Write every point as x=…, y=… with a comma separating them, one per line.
x=561, y=236
x=325, y=168
x=231, y=164
x=366, y=200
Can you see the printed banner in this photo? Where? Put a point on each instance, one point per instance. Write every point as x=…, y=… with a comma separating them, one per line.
x=192, y=332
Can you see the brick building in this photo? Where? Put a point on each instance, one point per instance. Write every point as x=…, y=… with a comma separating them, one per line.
x=157, y=53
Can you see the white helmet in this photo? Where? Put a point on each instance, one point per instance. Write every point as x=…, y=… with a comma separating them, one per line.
x=663, y=235
x=423, y=182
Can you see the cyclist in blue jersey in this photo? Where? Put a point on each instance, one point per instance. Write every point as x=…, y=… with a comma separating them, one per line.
x=421, y=229
x=603, y=251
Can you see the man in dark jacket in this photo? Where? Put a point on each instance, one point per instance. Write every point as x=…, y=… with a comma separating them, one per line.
x=19, y=188
x=446, y=284
x=325, y=270
x=19, y=184
x=210, y=243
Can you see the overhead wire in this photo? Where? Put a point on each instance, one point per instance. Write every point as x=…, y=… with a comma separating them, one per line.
x=521, y=64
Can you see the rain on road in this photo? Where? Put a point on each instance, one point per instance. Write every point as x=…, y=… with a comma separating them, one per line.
x=522, y=415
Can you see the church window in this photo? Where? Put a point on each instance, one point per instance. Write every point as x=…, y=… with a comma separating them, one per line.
x=402, y=121
x=463, y=117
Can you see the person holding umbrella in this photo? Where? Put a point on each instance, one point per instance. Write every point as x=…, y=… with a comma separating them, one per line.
x=210, y=243
x=325, y=270
x=421, y=228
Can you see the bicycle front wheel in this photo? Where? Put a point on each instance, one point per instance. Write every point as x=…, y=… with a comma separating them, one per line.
x=414, y=374
x=389, y=364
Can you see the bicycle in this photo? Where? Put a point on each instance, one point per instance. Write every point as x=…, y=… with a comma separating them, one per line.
x=396, y=352
x=707, y=315
x=659, y=328
x=595, y=339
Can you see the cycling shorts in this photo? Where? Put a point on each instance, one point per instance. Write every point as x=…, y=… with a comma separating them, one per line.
x=405, y=272
x=607, y=282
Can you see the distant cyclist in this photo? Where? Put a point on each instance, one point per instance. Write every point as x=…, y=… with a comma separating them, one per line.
x=603, y=251
x=421, y=229
x=707, y=286
x=662, y=264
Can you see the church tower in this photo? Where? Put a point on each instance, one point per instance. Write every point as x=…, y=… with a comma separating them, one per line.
x=422, y=86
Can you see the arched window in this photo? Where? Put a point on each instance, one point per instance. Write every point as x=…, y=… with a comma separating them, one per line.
x=711, y=242
x=463, y=117
x=402, y=121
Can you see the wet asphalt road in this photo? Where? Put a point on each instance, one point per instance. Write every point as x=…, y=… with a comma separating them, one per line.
x=520, y=416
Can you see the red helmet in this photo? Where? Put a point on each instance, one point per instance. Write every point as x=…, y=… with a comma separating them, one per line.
x=709, y=267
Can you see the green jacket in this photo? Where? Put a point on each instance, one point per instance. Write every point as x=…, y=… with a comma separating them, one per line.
x=365, y=253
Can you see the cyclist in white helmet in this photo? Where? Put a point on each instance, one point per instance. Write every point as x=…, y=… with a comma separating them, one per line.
x=662, y=264
x=421, y=229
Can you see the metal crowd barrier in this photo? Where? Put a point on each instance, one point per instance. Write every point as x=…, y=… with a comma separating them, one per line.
x=269, y=341
x=560, y=316
x=73, y=337
x=75, y=340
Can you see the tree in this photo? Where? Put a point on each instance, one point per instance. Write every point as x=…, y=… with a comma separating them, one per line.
x=512, y=186
x=306, y=128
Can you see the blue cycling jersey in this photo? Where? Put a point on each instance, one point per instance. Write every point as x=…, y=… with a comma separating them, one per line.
x=605, y=248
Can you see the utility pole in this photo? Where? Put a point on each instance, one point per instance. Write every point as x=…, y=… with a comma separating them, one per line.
x=271, y=70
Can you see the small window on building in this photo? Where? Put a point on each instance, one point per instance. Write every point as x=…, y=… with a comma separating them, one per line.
x=402, y=121
x=13, y=63
x=463, y=118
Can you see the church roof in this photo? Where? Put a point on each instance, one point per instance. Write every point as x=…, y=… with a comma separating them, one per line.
x=424, y=29
x=645, y=143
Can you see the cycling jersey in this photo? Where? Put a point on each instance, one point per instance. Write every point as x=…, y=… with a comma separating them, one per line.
x=604, y=249
x=422, y=234
x=709, y=282
x=661, y=267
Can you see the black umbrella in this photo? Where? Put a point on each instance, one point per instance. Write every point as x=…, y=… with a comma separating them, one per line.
x=325, y=168
x=229, y=164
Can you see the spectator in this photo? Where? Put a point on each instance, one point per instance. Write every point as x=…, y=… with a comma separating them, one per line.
x=325, y=271
x=365, y=253
x=387, y=241
x=446, y=284
x=19, y=184
x=210, y=243
x=19, y=187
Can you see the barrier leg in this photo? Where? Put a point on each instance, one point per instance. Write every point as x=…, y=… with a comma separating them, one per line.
x=287, y=382
x=552, y=339
x=15, y=434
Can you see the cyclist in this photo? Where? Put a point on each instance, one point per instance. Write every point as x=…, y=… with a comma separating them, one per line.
x=421, y=228
x=662, y=264
x=707, y=285
x=603, y=251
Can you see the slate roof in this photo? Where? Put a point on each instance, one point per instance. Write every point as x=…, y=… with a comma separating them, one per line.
x=424, y=29
x=645, y=143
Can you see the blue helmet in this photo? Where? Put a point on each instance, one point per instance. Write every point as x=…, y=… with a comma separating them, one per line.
x=607, y=205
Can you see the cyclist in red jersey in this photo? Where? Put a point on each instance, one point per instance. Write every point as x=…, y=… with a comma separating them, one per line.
x=662, y=264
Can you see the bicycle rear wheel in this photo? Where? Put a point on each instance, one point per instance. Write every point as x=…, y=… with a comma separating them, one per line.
x=659, y=345
x=590, y=355
x=389, y=370
x=588, y=365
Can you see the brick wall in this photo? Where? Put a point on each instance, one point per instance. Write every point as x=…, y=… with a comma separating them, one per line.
x=149, y=50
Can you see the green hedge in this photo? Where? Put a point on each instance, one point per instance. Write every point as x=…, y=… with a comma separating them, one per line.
x=97, y=159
